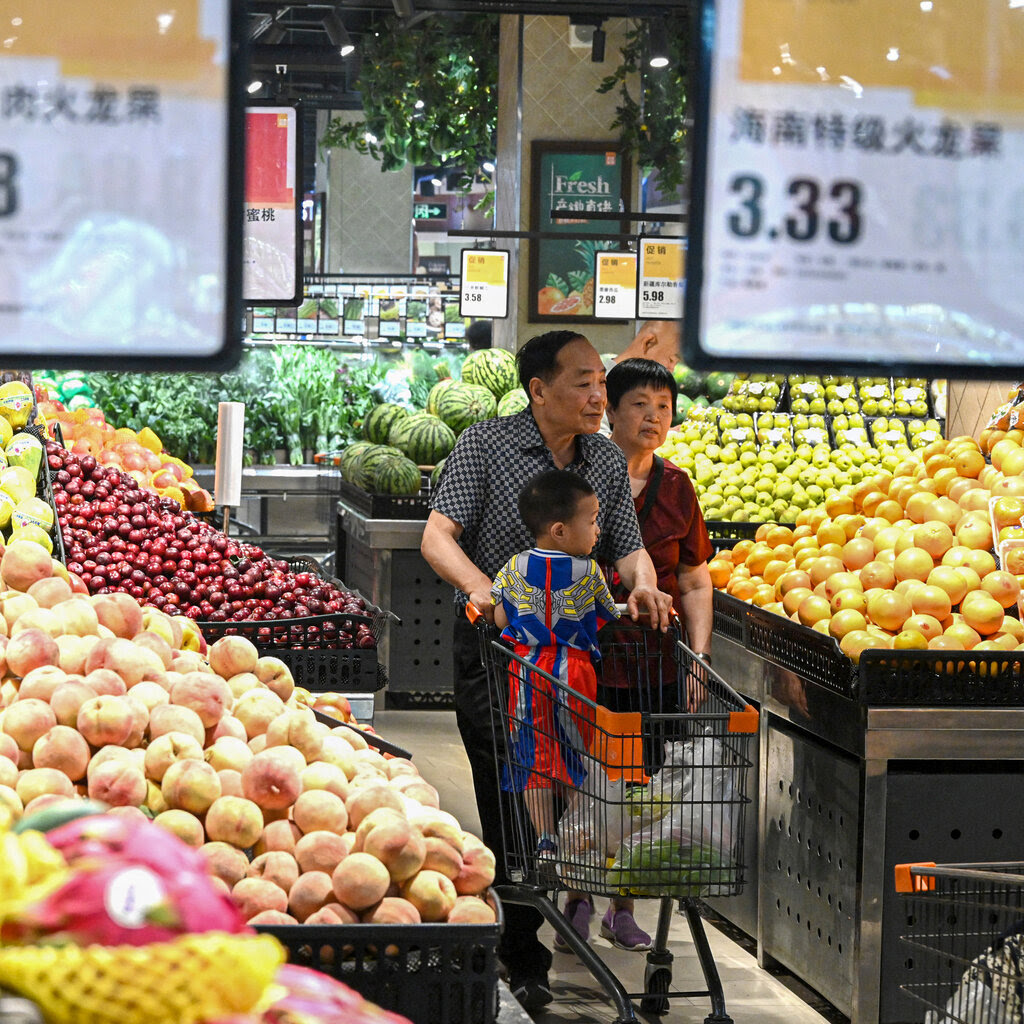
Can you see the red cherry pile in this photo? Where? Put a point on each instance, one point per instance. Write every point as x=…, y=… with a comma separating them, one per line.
x=118, y=537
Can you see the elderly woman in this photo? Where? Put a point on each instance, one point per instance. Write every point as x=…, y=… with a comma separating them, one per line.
x=641, y=398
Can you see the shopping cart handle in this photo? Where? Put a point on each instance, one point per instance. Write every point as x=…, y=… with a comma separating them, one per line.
x=907, y=881
x=473, y=613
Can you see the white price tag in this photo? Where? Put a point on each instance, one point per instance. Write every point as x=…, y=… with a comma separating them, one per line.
x=660, y=291
x=483, y=291
x=615, y=286
x=861, y=192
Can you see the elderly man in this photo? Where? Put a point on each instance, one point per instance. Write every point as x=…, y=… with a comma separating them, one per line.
x=473, y=529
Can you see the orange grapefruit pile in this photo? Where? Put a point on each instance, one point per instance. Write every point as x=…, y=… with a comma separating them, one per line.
x=900, y=560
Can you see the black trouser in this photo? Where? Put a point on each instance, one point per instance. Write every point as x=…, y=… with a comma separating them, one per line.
x=521, y=950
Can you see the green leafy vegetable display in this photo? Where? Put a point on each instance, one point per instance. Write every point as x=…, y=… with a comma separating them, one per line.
x=296, y=398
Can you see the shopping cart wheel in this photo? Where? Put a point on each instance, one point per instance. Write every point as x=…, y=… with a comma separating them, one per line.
x=657, y=983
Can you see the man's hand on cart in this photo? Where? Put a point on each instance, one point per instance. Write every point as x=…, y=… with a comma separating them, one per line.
x=480, y=598
x=649, y=601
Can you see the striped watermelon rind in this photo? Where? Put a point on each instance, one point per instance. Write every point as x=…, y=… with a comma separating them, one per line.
x=366, y=464
x=350, y=457
x=465, y=404
x=512, y=403
x=422, y=437
x=436, y=392
x=491, y=368
x=397, y=475
x=379, y=421
x=436, y=473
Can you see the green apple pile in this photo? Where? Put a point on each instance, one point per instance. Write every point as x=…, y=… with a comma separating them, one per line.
x=744, y=472
x=754, y=392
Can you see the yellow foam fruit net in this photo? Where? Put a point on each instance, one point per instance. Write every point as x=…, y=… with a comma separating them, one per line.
x=196, y=977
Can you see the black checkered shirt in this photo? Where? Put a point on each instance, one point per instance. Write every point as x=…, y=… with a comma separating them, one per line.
x=479, y=490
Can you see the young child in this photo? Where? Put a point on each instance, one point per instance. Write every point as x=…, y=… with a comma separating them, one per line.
x=551, y=601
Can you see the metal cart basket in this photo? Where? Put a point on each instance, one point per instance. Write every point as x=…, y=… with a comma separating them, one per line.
x=654, y=806
x=964, y=941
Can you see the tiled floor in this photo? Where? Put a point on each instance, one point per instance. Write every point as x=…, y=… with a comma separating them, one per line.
x=753, y=996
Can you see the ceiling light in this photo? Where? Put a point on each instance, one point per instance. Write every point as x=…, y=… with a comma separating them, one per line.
x=436, y=182
x=597, y=46
x=337, y=33
x=488, y=166
x=273, y=34
x=254, y=87
x=657, y=43
x=404, y=8
x=419, y=105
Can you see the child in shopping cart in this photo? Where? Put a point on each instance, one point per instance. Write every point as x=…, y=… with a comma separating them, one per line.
x=550, y=602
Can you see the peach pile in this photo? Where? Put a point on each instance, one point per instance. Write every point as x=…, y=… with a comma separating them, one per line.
x=299, y=821
x=901, y=560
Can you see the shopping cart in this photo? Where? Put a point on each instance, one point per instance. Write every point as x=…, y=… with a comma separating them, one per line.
x=660, y=808
x=965, y=941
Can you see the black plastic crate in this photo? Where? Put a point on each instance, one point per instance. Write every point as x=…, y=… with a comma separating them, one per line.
x=941, y=678
x=387, y=506
x=44, y=489
x=800, y=649
x=730, y=616
x=430, y=973
x=316, y=663
x=726, y=535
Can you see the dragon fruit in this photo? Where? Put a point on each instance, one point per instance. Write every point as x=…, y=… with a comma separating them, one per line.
x=131, y=883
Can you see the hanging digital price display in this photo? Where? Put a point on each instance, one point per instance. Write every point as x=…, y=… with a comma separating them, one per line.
x=483, y=291
x=856, y=195
x=121, y=160
x=660, y=288
x=615, y=285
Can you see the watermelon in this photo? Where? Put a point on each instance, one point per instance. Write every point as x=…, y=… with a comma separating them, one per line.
x=691, y=382
x=464, y=404
x=380, y=420
x=491, y=368
x=513, y=402
x=436, y=392
x=422, y=437
x=717, y=385
x=436, y=474
x=397, y=475
x=350, y=458
x=683, y=403
x=365, y=466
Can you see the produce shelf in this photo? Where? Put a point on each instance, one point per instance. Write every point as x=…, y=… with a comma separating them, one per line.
x=426, y=972
x=729, y=616
x=725, y=534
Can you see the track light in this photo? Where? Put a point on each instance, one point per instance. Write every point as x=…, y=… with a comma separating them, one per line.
x=597, y=46
x=272, y=34
x=337, y=33
x=657, y=43
x=404, y=8
x=254, y=87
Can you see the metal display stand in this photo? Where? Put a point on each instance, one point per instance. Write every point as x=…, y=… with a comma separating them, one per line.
x=285, y=508
x=381, y=558
x=845, y=793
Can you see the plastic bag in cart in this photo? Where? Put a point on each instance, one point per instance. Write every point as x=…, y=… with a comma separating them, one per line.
x=596, y=817
x=683, y=842
x=992, y=988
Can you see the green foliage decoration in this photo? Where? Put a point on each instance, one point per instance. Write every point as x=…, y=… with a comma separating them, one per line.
x=653, y=118
x=449, y=65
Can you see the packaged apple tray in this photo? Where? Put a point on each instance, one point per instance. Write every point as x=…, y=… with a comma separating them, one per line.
x=884, y=678
x=310, y=646
x=430, y=973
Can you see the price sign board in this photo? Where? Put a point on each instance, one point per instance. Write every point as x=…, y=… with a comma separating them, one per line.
x=272, y=249
x=120, y=183
x=856, y=189
x=661, y=279
x=615, y=286
x=483, y=291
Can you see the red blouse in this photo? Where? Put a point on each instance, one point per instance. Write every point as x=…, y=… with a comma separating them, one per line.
x=674, y=533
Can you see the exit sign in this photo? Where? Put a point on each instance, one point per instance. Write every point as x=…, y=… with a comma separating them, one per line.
x=430, y=211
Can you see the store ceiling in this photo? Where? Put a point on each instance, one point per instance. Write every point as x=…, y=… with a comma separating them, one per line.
x=291, y=51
